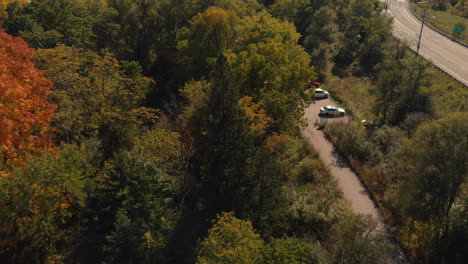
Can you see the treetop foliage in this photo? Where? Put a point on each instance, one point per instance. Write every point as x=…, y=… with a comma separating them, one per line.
x=38, y=200
x=143, y=131
x=436, y=161
x=230, y=240
x=97, y=96
x=25, y=112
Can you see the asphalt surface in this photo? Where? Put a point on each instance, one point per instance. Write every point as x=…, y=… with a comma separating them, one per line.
x=349, y=183
x=347, y=180
x=446, y=54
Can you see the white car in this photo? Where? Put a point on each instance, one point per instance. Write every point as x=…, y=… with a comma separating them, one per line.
x=332, y=111
x=319, y=93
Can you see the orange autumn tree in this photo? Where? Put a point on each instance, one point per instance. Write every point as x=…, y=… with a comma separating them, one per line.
x=25, y=113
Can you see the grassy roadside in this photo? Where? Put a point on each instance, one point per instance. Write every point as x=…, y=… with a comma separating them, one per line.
x=443, y=20
x=445, y=94
x=356, y=94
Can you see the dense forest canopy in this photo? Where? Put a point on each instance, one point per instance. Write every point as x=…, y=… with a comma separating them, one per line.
x=145, y=131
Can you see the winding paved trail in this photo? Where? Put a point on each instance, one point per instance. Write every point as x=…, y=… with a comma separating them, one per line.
x=348, y=181
x=441, y=51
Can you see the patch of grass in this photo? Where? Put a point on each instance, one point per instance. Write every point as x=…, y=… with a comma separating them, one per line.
x=356, y=94
x=443, y=20
x=446, y=95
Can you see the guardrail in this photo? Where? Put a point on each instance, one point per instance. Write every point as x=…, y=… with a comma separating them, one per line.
x=434, y=28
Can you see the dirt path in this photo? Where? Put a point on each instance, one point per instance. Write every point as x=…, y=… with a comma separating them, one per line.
x=348, y=181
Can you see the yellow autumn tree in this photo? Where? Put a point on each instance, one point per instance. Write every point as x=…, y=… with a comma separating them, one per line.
x=230, y=240
x=258, y=116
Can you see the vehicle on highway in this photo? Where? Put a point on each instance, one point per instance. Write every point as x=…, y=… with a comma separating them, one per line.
x=319, y=93
x=332, y=111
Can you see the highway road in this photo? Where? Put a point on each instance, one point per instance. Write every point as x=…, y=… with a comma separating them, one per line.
x=446, y=54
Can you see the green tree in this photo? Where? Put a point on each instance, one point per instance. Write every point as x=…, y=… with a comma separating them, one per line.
x=400, y=78
x=209, y=35
x=95, y=96
x=322, y=30
x=371, y=52
x=240, y=7
x=160, y=149
x=237, y=172
x=3, y=7
x=164, y=150
x=147, y=29
x=105, y=27
x=196, y=96
x=130, y=214
x=260, y=197
x=417, y=77
x=390, y=88
x=39, y=206
x=292, y=251
x=46, y=23
x=230, y=240
x=361, y=28
x=320, y=36
x=433, y=173
x=357, y=240
x=272, y=68
x=302, y=13
x=138, y=29
x=223, y=140
x=288, y=9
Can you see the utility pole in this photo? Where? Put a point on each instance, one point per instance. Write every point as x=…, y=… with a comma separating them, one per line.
x=386, y=7
x=420, y=33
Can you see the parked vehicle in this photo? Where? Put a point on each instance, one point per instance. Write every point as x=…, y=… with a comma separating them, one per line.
x=319, y=93
x=314, y=84
x=332, y=111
